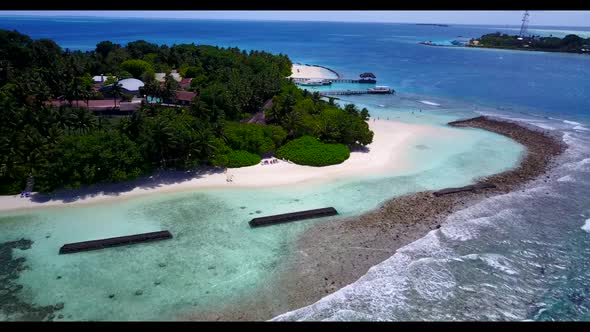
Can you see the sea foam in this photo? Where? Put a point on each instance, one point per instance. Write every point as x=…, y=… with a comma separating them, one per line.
x=586, y=226
x=429, y=103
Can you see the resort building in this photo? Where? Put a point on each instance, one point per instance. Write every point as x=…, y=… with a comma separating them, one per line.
x=161, y=77
x=368, y=78
x=99, y=78
x=185, y=97
x=185, y=83
x=130, y=86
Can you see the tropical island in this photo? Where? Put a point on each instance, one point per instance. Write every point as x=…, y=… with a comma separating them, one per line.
x=153, y=108
x=568, y=44
x=70, y=118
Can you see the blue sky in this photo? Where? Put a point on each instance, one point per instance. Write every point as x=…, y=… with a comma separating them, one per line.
x=557, y=18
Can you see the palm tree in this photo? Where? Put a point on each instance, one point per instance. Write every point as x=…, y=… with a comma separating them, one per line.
x=116, y=90
x=163, y=139
x=83, y=120
x=75, y=91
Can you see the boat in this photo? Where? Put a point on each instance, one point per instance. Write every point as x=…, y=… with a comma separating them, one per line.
x=380, y=89
x=315, y=82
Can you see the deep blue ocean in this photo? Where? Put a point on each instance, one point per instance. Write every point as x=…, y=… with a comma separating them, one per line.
x=519, y=256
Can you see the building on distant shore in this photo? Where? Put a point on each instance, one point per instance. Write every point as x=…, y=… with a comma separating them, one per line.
x=368, y=78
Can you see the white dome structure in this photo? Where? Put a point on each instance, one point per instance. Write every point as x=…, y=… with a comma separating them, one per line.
x=130, y=85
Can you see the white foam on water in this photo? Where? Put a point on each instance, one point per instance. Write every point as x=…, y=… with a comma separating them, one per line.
x=432, y=280
x=581, y=128
x=496, y=261
x=429, y=103
x=572, y=122
x=586, y=226
x=578, y=165
x=567, y=178
x=544, y=126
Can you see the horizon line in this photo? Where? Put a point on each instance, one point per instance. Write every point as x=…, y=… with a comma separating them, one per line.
x=260, y=20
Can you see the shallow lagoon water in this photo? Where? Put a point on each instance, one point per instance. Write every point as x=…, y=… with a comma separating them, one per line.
x=214, y=251
x=214, y=257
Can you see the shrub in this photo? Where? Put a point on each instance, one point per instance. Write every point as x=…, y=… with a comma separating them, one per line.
x=126, y=97
x=97, y=95
x=137, y=67
x=123, y=75
x=310, y=151
x=239, y=158
x=254, y=138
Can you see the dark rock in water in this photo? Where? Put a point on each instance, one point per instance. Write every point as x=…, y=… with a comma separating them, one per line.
x=47, y=236
x=10, y=302
x=211, y=267
x=242, y=207
x=296, y=200
x=437, y=226
x=111, y=296
x=421, y=147
x=60, y=316
x=58, y=277
x=162, y=265
x=138, y=292
x=59, y=306
x=258, y=211
x=157, y=282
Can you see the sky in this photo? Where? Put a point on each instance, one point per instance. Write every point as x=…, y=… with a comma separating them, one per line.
x=556, y=18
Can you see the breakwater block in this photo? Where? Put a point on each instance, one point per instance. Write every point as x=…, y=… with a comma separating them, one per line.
x=293, y=216
x=113, y=242
x=472, y=188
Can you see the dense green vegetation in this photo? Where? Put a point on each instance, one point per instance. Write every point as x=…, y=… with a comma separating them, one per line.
x=68, y=146
x=241, y=158
x=302, y=113
x=570, y=43
x=310, y=151
x=256, y=138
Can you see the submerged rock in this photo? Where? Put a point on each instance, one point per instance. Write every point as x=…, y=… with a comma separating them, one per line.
x=139, y=292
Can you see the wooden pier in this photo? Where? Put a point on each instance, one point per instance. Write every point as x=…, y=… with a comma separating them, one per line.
x=466, y=188
x=294, y=216
x=337, y=80
x=354, y=92
x=113, y=242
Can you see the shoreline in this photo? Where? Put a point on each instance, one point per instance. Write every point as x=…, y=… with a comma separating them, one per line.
x=330, y=256
x=383, y=156
x=313, y=71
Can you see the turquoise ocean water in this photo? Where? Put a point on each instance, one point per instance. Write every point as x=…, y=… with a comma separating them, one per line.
x=521, y=255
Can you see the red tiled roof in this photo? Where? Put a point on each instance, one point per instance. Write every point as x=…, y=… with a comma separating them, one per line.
x=185, y=95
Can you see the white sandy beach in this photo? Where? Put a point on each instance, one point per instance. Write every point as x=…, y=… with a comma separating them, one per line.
x=304, y=71
x=391, y=143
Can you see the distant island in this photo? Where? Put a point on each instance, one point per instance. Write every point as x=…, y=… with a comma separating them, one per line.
x=568, y=44
x=434, y=24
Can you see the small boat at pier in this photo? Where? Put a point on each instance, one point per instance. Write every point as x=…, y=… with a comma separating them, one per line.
x=380, y=89
x=315, y=82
